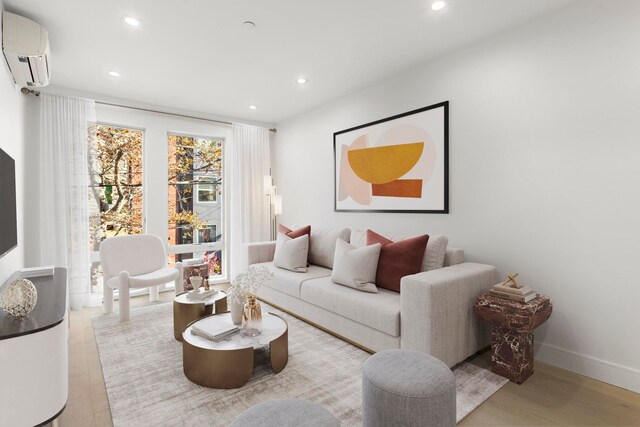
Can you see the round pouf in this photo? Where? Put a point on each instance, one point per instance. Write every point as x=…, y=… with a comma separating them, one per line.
x=286, y=413
x=407, y=388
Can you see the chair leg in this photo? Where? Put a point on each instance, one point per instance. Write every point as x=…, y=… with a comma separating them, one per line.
x=154, y=293
x=124, y=302
x=107, y=303
x=179, y=283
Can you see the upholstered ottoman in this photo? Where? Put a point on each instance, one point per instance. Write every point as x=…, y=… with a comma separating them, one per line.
x=407, y=388
x=286, y=413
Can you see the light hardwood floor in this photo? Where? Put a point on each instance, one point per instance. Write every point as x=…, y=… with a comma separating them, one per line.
x=551, y=397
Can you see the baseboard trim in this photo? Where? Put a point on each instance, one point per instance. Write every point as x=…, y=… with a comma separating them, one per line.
x=592, y=367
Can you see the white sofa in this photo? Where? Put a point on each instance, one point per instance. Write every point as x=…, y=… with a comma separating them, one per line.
x=433, y=312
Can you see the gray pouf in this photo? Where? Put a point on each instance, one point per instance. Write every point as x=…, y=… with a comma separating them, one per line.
x=286, y=413
x=407, y=388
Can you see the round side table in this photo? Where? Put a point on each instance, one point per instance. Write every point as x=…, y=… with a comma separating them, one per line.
x=186, y=310
x=229, y=363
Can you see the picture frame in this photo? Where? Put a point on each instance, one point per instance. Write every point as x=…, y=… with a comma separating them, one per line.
x=399, y=164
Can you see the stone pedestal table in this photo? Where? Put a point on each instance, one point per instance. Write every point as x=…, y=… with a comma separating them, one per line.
x=513, y=324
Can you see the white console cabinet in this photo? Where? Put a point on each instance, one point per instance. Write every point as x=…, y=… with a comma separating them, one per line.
x=34, y=367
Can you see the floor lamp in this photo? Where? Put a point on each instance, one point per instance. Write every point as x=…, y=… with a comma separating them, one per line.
x=275, y=204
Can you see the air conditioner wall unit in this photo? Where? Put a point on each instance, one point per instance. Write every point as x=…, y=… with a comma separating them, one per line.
x=25, y=45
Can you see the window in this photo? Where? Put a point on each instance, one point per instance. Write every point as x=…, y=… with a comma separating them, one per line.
x=206, y=191
x=195, y=200
x=115, y=164
x=206, y=234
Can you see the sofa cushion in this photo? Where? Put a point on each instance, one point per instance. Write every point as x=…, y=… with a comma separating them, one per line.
x=322, y=246
x=397, y=259
x=380, y=311
x=433, y=256
x=294, y=233
x=291, y=253
x=356, y=267
x=158, y=277
x=288, y=282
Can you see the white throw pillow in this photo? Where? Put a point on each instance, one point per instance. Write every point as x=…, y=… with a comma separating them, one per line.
x=433, y=256
x=322, y=245
x=291, y=254
x=356, y=267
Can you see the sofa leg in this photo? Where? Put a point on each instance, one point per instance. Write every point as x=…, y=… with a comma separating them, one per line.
x=107, y=303
x=124, y=302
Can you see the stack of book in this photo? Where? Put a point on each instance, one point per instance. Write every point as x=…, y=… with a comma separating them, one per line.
x=521, y=294
x=201, y=295
x=214, y=333
x=192, y=261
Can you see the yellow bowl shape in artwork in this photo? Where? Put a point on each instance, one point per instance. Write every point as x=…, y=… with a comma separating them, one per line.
x=380, y=165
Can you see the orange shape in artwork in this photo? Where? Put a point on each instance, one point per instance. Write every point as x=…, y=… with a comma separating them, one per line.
x=380, y=165
x=399, y=188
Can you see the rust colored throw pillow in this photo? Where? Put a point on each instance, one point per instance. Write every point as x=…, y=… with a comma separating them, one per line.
x=294, y=233
x=397, y=259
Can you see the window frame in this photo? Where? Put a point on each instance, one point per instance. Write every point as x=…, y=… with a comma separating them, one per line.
x=200, y=248
x=214, y=191
x=94, y=256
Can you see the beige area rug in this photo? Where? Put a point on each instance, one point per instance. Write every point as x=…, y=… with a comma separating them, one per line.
x=142, y=366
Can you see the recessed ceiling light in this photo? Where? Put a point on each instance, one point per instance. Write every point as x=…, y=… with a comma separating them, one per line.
x=438, y=5
x=249, y=25
x=302, y=80
x=114, y=74
x=252, y=107
x=134, y=22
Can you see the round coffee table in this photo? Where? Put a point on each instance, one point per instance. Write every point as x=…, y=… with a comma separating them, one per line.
x=186, y=310
x=229, y=363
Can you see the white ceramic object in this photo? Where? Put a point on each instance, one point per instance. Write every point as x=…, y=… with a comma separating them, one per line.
x=236, y=309
x=196, y=282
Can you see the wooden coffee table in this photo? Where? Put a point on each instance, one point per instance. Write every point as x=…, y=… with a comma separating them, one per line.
x=186, y=310
x=229, y=363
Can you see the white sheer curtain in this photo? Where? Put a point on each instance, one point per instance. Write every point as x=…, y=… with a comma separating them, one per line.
x=249, y=207
x=64, y=181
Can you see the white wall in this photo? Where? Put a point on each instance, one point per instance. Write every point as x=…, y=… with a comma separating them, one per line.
x=12, y=142
x=544, y=176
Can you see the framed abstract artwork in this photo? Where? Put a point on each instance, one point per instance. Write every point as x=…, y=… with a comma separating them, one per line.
x=397, y=164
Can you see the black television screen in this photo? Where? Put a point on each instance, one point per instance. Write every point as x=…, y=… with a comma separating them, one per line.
x=8, y=222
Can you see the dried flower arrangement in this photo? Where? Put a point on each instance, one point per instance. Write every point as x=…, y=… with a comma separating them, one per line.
x=248, y=282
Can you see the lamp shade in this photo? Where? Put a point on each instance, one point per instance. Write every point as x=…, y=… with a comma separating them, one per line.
x=277, y=205
x=267, y=182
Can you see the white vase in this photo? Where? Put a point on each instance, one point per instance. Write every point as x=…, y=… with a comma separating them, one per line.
x=236, y=309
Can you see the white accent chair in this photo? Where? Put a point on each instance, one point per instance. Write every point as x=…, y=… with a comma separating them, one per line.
x=135, y=261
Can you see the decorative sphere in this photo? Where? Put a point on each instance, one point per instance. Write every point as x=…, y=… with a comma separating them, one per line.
x=19, y=298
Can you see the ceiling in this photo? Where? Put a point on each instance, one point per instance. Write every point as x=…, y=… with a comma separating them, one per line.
x=196, y=55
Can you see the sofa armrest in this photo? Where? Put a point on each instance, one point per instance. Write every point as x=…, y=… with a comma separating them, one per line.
x=437, y=314
x=260, y=252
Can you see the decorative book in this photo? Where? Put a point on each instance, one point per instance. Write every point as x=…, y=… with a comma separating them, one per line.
x=513, y=297
x=193, y=261
x=509, y=289
x=201, y=295
x=214, y=333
